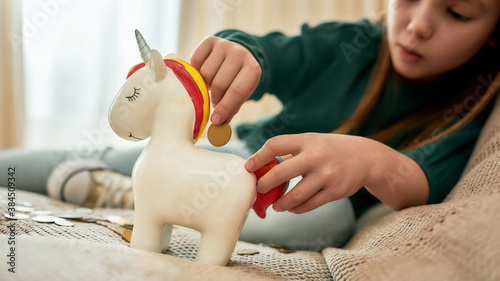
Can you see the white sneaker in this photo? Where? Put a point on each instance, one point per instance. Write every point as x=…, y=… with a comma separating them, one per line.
x=90, y=183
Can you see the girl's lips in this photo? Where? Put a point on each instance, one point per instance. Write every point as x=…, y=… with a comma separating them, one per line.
x=408, y=54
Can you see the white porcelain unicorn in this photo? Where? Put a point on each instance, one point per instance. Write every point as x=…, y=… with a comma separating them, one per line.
x=175, y=182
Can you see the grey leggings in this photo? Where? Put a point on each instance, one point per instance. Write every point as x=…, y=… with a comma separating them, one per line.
x=330, y=225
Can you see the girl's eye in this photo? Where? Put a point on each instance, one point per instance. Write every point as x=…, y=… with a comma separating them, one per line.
x=135, y=95
x=458, y=16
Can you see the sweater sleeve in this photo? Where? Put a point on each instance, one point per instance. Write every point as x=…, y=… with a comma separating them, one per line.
x=289, y=63
x=444, y=160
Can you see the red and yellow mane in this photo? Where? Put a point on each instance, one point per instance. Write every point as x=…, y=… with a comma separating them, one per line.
x=196, y=87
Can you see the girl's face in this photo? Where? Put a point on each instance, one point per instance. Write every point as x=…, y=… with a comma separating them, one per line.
x=428, y=38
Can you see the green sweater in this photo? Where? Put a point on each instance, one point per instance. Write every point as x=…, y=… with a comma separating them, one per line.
x=320, y=76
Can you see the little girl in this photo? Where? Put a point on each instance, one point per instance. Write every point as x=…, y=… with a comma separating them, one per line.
x=405, y=101
x=372, y=112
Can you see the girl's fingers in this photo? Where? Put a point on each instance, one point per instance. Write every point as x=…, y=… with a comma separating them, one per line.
x=211, y=65
x=318, y=199
x=243, y=85
x=201, y=53
x=222, y=80
x=302, y=192
x=280, y=173
x=276, y=146
x=231, y=72
x=253, y=88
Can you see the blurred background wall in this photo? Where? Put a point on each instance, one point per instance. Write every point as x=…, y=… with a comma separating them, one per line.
x=63, y=61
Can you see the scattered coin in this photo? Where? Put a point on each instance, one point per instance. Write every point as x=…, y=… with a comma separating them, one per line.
x=24, y=209
x=89, y=219
x=17, y=202
x=63, y=222
x=70, y=216
x=247, y=252
x=124, y=232
x=105, y=223
x=84, y=211
x=127, y=235
x=286, y=251
x=41, y=213
x=45, y=218
x=119, y=220
x=219, y=135
x=17, y=216
x=23, y=203
x=281, y=249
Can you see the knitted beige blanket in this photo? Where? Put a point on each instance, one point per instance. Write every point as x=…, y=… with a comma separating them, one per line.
x=89, y=251
x=455, y=240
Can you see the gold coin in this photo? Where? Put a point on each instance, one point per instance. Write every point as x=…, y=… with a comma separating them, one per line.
x=286, y=251
x=125, y=233
x=219, y=135
x=275, y=246
x=281, y=249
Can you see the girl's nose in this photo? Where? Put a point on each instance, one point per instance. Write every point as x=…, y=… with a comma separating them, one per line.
x=420, y=24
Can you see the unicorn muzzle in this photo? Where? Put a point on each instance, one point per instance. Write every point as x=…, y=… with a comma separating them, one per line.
x=125, y=131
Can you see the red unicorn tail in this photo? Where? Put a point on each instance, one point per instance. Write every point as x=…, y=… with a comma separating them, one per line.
x=263, y=201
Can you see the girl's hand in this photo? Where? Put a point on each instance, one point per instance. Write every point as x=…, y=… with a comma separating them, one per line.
x=231, y=72
x=332, y=166
x=336, y=166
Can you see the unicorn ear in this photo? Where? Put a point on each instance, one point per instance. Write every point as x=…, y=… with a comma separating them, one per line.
x=158, y=65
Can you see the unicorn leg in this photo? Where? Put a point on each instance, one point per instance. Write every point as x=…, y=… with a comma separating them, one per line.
x=217, y=245
x=150, y=234
x=167, y=234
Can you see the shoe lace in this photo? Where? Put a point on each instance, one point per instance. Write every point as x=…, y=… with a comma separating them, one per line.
x=111, y=190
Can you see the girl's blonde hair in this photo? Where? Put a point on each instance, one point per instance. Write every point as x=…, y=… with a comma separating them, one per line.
x=437, y=122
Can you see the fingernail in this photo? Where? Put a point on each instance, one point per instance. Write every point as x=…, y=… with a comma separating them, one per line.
x=249, y=165
x=216, y=119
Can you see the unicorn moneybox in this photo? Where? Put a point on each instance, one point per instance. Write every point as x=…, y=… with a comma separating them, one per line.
x=175, y=182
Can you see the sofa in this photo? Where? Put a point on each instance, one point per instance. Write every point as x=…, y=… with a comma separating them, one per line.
x=455, y=240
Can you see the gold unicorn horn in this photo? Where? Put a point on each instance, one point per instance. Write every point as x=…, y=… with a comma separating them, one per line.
x=143, y=46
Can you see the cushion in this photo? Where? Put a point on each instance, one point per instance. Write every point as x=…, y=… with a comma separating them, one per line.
x=454, y=240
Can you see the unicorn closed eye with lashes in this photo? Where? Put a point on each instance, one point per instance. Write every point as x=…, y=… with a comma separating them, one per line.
x=175, y=182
